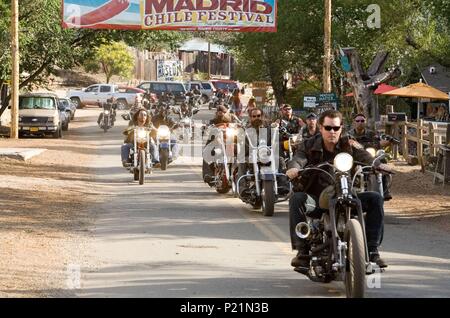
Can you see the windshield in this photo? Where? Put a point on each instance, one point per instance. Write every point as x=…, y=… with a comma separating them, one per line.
x=36, y=102
x=178, y=88
x=64, y=102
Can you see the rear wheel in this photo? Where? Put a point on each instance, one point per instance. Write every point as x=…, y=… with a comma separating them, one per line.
x=164, y=158
x=268, y=198
x=141, y=166
x=355, y=273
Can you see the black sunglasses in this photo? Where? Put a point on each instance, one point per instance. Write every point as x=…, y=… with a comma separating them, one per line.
x=329, y=128
x=360, y=121
x=256, y=116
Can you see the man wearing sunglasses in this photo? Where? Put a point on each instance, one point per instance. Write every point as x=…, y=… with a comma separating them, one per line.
x=368, y=138
x=307, y=189
x=292, y=123
x=364, y=136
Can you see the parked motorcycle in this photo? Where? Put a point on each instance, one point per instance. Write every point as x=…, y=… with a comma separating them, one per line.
x=337, y=237
x=263, y=184
x=140, y=155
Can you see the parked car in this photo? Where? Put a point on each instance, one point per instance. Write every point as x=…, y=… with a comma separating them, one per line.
x=205, y=87
x=100, y=93
x=41, y=114
x=227, y=86
x=69, y=105
x=160, y=87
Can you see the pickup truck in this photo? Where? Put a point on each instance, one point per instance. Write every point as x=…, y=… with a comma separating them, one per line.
x=92, y=95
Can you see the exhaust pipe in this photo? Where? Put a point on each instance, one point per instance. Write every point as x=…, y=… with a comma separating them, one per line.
x=302, y=230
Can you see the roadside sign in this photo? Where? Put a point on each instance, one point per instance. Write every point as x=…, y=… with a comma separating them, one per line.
x=309, y=101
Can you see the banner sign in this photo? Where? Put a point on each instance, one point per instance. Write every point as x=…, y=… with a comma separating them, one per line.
x=167, y=70
x=181, y=15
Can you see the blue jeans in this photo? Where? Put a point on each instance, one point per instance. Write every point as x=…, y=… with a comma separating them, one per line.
x=372, y=203
x=126, y=148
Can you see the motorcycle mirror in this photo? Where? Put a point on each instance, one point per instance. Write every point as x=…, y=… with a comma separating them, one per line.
x=126, y=116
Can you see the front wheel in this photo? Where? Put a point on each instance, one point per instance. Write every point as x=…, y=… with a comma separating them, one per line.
x=268, y=198
x=355, y=272
x=164, y=158
x=122, y=104
x=141, y=166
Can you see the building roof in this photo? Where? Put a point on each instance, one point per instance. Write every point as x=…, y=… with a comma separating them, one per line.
x=198, y=44
x=437, y=76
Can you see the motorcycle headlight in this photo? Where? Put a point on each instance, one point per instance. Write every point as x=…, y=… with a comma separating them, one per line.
x=343, y=162
x=186, y=121
x=372, y=151
x=164, y=132
x=230, y=132
x=106, y=112
x=264, y=153
x=141, y=135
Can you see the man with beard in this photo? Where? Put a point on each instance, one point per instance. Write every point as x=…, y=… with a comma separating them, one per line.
x=257, y=125
x=222, y=117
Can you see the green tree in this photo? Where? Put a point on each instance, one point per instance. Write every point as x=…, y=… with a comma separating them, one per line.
x=45, y=46
x=111, y=59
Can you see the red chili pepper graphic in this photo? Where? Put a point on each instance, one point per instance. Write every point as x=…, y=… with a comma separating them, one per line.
x=105, y=12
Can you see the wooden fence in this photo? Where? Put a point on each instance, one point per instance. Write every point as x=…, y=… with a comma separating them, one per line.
x=423, y=135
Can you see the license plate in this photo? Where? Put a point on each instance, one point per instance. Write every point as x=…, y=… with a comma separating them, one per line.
x=34, y=129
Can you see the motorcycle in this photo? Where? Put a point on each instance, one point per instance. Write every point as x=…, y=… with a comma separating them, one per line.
x=224, y=149
x=164, y=144
x=369, y=178
x=186, y=122
x=218, y=99
x=288, y=142
x=263, y=183
x=140, y=155
x=337, y=238
x=107, y=117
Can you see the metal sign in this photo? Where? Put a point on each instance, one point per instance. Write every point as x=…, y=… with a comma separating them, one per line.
x=167, y=70
x=310, y=101
x=184, y=15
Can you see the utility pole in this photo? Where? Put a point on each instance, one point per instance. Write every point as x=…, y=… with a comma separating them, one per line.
x=209, y=60
x=14, y=133
x=327, y=47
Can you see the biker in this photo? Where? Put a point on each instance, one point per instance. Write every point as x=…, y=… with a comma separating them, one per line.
x=257, y=121
x=223, y=116
x=310, y=129
x=162, y=118
x=319, y=149
x=140, y=119
x=368, y=138
x=110, y=105
x=294, y=123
